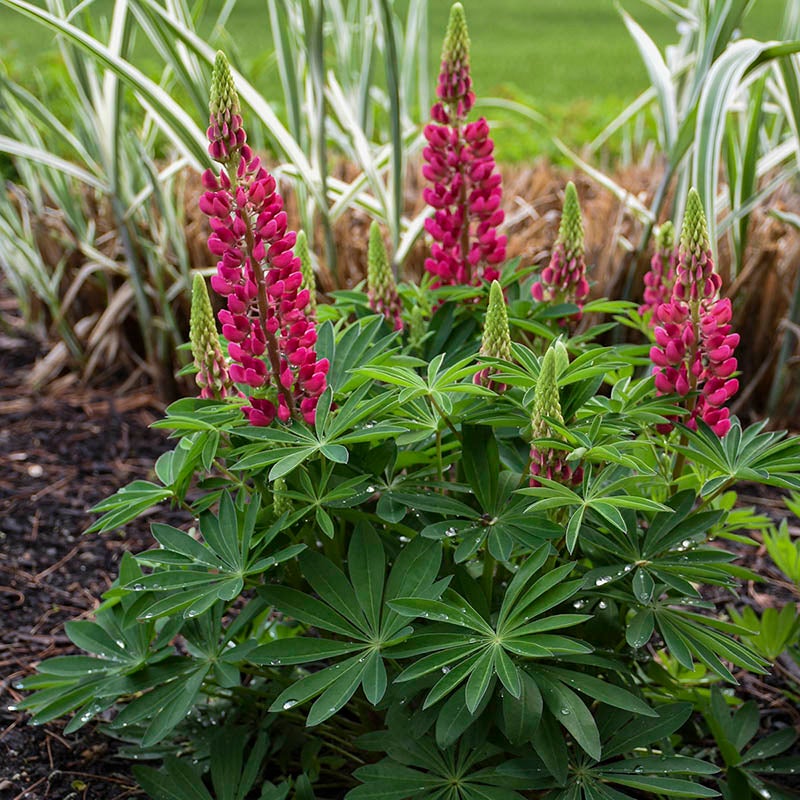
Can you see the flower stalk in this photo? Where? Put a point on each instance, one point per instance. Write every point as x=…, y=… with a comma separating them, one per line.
x=563, y=280
x=381, y=286
x=466, y=186
x=271, y=334
x=694, y=349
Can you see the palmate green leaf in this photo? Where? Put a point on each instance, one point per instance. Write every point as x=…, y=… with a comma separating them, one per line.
x=165, y=706
x=521, y=716
x=772, y=745
x=567, y=708
x=437, y=661
x=308, y=610
x=359, y=601
x=127, y=504
x=455, y=717
x=300, y=650
x=452, y=609
x=331, y=585
x=640, y=628
x=672, y=787
x=92, y=637
x=367, y=566
x=480, y=677
x=176, y=781
x=667, y=765
x=526, y=571
x=339, y=692
x=480, y=460
x=233, y=779
x=317, y=682
x=374, y=678
x=388, y=780
x=640, y=732
x=599, y=690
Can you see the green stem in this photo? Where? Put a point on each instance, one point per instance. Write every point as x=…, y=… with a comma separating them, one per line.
x=487, y=578
x=439, y=461
x=444, y=416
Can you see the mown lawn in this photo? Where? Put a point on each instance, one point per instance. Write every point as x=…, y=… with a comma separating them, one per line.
x=572, y=60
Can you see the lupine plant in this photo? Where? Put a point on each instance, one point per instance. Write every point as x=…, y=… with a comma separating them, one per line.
x=443, y=562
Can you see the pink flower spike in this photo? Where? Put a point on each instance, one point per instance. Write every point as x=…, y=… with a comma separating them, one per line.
x=694, y=346
x=266, y=319
x=466, y=191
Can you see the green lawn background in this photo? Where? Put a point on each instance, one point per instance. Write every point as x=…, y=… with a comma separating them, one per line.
x=572, y=60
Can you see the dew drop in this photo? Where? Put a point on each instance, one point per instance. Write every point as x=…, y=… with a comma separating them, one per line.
x=578, y=604
x=289, y=704
x=565, y=712
x=603, y=580
x=638, y=769
x=445, y=670
x=370, y=489
x=602, y=605
x=450, y=532
x=137, y=587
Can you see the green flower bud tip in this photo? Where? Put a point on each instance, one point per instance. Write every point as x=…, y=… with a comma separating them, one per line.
x=570, y=231
x=496, y=335
x=202, y=329
x=665, y=238
x=212, y=369
x=379, y=273
x=417, y=327
x=224, y=99
x=694, y=234
x=547, y=402
x=307, y=268
x=381, y=286
x=456, y=41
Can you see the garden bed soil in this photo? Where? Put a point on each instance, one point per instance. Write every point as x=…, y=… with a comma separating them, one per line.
x=64, y=452
x=61, y=455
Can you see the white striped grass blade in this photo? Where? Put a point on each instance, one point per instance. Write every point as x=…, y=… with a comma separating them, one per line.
x=21, y=150
x=660, y=78
x=286, y=143
x=172, y=119
x=719, y=89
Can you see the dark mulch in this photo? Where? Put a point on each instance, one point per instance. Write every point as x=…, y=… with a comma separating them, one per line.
x=61, y=455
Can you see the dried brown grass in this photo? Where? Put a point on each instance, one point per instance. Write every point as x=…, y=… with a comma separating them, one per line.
x=533, y=195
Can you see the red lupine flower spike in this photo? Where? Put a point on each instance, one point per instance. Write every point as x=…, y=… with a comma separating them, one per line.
x=466, y=191
x=270, y=335
x=694, y=349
